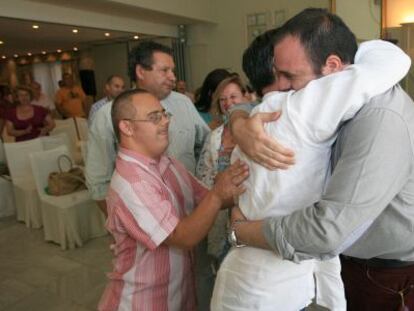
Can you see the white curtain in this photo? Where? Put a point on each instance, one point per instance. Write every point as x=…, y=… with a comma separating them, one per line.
x=48, y=75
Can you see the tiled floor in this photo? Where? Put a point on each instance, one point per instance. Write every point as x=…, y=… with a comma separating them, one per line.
x=35, y=275
x=39, y=276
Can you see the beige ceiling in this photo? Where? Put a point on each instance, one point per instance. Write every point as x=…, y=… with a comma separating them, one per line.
x=20, y=38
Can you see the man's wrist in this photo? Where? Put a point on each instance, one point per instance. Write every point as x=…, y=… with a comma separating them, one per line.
x=237, y=120
x=233, y=237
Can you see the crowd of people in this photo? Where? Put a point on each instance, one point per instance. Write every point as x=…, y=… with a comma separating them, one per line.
x=329, y=154
x=296, y=189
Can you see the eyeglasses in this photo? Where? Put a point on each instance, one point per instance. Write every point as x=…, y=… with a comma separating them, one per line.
x=154, y=117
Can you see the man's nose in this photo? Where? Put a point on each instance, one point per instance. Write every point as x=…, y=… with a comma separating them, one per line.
x=171, y=76
x=283, y=84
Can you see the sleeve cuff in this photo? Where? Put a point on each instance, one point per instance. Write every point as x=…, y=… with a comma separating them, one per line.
x=273, y=233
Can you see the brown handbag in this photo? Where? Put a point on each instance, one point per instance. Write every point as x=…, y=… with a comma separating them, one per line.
x=60, y=183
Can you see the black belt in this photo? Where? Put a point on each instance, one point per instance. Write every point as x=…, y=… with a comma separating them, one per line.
x=380, y=262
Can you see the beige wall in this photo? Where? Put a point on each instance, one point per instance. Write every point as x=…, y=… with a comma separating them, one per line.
x=222, y=44
x=363, y=17
x=108, y=60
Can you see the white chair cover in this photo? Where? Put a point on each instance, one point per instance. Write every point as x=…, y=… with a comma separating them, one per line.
x=6, y=190
x=2, y=153
x=68, y=220
x=68, y=127
x=84, y=149
x=82, y=124
x=25, y=194
x=52, y=142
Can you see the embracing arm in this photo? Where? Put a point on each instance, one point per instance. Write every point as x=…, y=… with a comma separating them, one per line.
x=249, y=134
x=369, y=173
x=190, y=230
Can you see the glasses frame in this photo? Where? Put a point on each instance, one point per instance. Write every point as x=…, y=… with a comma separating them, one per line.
x=166, y=114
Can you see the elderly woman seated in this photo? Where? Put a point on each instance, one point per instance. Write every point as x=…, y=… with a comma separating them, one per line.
x=26, y=121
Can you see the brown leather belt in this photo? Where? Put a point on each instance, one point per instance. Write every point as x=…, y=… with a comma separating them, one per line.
x=380, y=262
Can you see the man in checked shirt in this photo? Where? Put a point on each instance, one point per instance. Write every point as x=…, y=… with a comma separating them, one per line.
x=151, y=211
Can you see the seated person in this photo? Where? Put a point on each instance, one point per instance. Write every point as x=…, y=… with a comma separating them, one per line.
x=40, y=98
x=151, y=212
x=70, y=98
x=249, y=277
x=27, y=121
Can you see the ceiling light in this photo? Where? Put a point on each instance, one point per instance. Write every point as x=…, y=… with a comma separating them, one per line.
x=107, y=34
x=136, y=37
x=15, y=55
x=1, y=42
x=75, y=48
x=59, y=50
x=75, y=30
x=44, y=52
x=29, y=54
x=4, y=57
x=35, y=26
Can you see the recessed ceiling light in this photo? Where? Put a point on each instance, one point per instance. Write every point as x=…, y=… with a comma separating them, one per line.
x=136, y=37
x=35, y=26
x=1, y=42
x=75, y=48
x=4, y=57
x=107, y=34
x=59, y=50
x=15, y=55
x=75, y=30
x=44, y=52
x=29, y=54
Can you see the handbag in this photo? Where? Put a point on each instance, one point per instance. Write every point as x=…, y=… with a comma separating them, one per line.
x=60, y=183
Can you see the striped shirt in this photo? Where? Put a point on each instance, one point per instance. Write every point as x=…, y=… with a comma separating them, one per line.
x=146, y=200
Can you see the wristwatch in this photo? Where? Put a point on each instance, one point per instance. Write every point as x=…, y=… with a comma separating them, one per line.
x=232, y=237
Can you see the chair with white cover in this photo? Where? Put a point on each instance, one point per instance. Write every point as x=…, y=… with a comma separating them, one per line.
x=84, y=149
x=26, y=199
x=82, y=125
x=68, y=127
x=70, y=219
x=6, y=189
x=52, y=142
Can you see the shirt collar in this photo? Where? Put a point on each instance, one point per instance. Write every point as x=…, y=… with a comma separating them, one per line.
x=149, y=163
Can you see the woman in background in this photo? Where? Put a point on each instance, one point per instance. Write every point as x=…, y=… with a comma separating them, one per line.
x=215, y=158
x=207, y=110
x=26, y=121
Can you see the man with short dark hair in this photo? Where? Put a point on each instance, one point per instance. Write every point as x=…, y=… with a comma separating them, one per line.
x=152, y=214
x=365, y=210
x=152, y=66
x=114, y=86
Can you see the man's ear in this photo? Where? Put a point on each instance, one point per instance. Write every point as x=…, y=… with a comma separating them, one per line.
x=139, y=72
x=125, y=128
x=332, y=64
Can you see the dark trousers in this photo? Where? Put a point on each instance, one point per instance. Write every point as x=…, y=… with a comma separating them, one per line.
x=377, y=289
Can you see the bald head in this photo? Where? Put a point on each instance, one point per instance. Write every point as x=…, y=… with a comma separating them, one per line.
x=123, y=108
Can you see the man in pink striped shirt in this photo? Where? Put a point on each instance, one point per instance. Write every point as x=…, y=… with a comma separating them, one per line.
x=150, y=211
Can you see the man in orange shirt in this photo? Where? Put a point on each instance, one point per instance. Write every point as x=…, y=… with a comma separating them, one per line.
x=70, y=99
